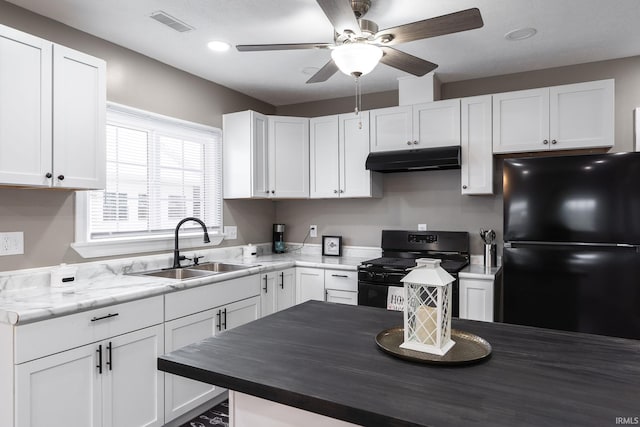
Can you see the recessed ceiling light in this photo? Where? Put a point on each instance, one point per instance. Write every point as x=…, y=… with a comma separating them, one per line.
x=218, y=46
x=520, y=34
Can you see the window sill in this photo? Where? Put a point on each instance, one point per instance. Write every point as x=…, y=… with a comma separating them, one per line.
x=112, y=247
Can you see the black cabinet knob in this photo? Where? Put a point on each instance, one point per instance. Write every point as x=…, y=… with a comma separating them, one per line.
x=61, y=177
x=48, y=175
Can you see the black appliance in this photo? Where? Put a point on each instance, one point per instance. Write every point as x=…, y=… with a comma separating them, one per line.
x=571, y=255
x=278, y=239
x=400, y=249
x=414, y=160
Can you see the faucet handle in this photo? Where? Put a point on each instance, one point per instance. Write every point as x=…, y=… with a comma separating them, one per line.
x=195, y=259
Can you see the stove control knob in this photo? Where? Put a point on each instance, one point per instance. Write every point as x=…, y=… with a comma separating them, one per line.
x=371, y=274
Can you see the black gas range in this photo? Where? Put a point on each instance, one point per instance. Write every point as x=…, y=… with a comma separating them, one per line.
x=400, y=249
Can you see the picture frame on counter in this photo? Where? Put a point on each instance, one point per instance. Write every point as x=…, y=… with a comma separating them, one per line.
x=331, y=245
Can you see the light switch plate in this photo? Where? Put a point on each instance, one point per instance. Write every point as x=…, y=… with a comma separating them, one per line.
x=12, y=243
x=313, y=231
x=230, y=232
x=422, y=227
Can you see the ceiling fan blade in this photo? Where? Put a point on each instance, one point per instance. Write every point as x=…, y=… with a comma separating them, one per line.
x=340, y=15
x=323, y=74
x=446, y=24
x=286, y=46
x=405, y=62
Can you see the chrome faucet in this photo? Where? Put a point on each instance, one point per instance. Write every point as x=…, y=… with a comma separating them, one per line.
x=176, y=252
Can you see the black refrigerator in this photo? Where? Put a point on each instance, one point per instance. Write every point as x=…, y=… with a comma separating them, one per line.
x=571, y=258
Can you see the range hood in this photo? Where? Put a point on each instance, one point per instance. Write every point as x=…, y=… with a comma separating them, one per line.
x=414, y=160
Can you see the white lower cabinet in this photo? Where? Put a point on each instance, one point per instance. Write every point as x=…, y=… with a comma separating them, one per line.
x=196, y=314
x=318, y=284
x=278, y=290
x=111, y=383
x=309, y=284
x=477, y=299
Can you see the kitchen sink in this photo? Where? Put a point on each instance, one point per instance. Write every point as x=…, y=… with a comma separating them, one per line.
x=220, y=267
x=177, y=273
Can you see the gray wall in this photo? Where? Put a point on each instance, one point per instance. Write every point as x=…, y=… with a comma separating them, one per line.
x=47, y=217
x=434, y=197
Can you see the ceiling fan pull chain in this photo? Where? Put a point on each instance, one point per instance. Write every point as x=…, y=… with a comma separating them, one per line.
x=358, y=102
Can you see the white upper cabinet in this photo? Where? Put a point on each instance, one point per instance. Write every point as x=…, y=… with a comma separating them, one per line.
x=79, y=109
x=476, y=146
x=339, y=149
x=265, y=156
x=245, y=155
x=52, y=114
x=433, y=124
x=288, y=157
x=25, y=108
x=557, y=118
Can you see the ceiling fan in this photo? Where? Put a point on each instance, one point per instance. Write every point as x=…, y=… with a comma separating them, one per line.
x=358, y=44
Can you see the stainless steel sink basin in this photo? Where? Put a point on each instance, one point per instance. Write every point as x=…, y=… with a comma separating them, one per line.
x=220, y=267
x=177, y=273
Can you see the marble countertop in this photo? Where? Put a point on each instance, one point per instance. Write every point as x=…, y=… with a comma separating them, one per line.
x=26, y=296
x=475, y=271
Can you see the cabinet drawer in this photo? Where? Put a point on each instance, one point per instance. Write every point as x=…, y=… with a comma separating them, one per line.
x=39, y=339
x=341, y=280
x=202, y=298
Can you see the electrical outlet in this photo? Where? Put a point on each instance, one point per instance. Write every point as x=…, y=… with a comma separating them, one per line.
x=422, y=227
x=12, y=243
x=313, y=231
x=230, y=232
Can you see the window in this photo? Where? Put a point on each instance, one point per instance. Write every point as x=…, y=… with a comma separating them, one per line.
x=159, y=170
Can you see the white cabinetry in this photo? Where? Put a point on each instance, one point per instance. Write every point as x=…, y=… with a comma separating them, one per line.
x=564, y=117
x=113, y=381
x=265, y=156
x=52, y=114
x=309, y=284
x=433, y=124
x=278, y=290
x=339, y=146
x=480, y=293
x=476, y=145
x=339, y=286
x=198, y=313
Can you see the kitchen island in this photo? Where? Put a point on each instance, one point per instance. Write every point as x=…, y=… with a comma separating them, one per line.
x=322, y=358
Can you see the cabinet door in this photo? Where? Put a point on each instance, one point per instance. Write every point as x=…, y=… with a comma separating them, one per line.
x=25, y=108
x=288, y=157
x=342, y=297
x=436, y=124
x=260, y=156
x=309, y=284
x=182, y=394
x=582, y=115
x=391, y=128
x=477, y=146
x=60, y=390
x=285, y=289
x=521, y=121
x=476, y=299
x=355, y=179
x=323, y=144
x=79, y=111
x=240, y=312
x=133, y=388
x=268, y=293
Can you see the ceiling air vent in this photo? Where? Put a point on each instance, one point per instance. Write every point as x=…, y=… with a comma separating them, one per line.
x=170, y=21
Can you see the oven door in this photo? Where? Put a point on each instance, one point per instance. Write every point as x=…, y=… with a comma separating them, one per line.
x=373, y=294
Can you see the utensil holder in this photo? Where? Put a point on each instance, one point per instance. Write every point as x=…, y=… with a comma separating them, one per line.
x=490, y=257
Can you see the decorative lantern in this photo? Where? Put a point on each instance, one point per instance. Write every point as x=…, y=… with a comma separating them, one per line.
x=427, y=308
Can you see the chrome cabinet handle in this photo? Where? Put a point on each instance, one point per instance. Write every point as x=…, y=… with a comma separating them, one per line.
x=340, y=275
x=415, y=142
x=224, y=324
x=545, y=142
x=335, y=191
x=281, y=280
x=464, y=187
x=219, y=316
x=408, y=142
x=341, y=191
x=61, y=177
x=553, y=141
x=265, y=289
x=48, y=175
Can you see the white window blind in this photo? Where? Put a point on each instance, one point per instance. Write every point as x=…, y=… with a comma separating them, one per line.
x=159, y=170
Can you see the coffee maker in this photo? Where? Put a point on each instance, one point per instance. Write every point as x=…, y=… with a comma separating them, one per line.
x=278, y=239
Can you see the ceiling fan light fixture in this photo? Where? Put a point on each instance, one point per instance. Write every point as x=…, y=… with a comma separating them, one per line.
x=356, y=59
x=218, y=46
